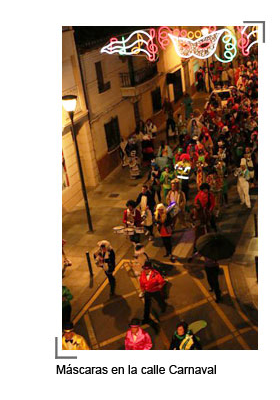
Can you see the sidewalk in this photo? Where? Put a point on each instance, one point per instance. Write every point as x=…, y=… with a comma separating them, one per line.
x=242, y=267
x=107, y=203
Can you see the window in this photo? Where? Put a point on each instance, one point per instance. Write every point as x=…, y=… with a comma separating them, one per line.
x=156, y=100
x=102, y=87
x=65, y=179
x=113, y=136
x=177, y=85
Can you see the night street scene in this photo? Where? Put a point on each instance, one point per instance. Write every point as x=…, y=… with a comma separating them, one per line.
x=160, y=188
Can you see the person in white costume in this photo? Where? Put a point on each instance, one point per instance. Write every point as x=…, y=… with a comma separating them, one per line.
x=243, y=183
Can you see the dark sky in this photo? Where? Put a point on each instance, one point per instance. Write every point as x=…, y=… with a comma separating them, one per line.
x=88, y=36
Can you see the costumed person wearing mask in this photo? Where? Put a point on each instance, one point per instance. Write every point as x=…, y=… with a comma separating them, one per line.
x=243, y=183
x=151, y=283
x=134, y=165
x=139, y=259
x=176, y=197
x=183, y=172
x=165, y=179
x=164, y=224
x=184, y=339
x=132, y=218
x=105, y=258
x=71, y=340
x=250, y=165
x=136, y=338
x=154, y=181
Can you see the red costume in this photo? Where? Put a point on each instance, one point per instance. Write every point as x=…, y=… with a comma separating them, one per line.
x=136, y=215
x=205, y=199
x=154, y=284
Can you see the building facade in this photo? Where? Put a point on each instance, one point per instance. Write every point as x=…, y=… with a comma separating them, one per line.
x=114, y=94
x=72, y=84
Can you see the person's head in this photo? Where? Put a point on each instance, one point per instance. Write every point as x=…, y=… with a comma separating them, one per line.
x=166, y=168
x=160, y=209
x=181, y=328
x=68, y=330
x=247, y=150
x=147, y=267
x=134, y=325
x=104, y=245
x=144, y=189
x=131, y=205
x=204, y=187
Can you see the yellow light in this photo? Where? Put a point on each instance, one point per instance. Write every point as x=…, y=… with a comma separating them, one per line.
x=204, y=31
x=69, y=102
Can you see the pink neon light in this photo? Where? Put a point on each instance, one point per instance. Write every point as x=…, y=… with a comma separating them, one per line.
x=151, y=46
x=163, y=37
x=112, y=40
x=243, y=42
x=184, y=33
x=212, y=29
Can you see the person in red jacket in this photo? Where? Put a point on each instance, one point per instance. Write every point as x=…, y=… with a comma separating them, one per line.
x=151, y=283
x=136, y=338
x=131, y=218
x=203, y=216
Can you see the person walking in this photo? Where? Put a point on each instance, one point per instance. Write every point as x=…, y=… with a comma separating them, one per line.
x=132, y=218
x=136, y=338
x=71, y=340
x=165, y=179
x=212, y=272
x=154, y=181
x=66, y=305
x=183, y=334
x=187, y=102
x=177, y=197
x=151, y=283
x=105, y=258
x=243, y=183
x=164, y=224
x=145, y=199
x=206, y=201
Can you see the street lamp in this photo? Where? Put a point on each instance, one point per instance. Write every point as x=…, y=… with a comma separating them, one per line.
x=205, y=32
x=69, y=104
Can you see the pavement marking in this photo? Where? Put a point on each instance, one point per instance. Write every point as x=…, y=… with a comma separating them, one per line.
x=91, y=334
x=226, y=338
x=217, y=342
x=135, y=282
x=96, y=294
x=221, y=314
x=125, y=296
x=233, y=297
x=184, y=309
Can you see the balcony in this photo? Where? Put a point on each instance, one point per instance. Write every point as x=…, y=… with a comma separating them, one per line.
x=142, y=80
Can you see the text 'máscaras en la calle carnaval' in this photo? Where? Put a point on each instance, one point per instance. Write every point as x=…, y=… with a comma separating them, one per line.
x=132, y=370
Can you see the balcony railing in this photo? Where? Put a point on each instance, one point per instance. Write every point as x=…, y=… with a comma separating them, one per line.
x=140, y=76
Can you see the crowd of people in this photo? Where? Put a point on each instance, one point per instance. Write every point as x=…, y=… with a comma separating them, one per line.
x=219, y=143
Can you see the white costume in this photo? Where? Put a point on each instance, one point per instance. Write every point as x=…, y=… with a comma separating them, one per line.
x=243, y=184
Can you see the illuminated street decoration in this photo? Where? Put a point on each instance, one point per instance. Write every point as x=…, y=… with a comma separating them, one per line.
x=138, y=42
x=200, y=48
x=187, y=44
x=230, y=48
x=244, y=42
